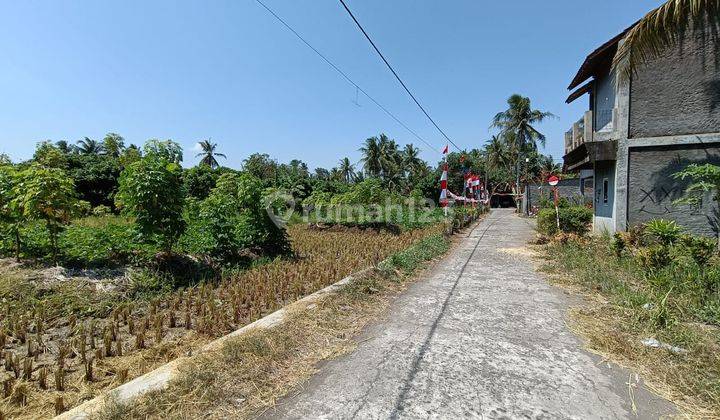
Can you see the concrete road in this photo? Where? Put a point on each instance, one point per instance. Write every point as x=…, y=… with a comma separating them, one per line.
x=480, y=336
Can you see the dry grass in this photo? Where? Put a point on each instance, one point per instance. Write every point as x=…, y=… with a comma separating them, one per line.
x=614, y=320
x=250, y=373
x=136, y=337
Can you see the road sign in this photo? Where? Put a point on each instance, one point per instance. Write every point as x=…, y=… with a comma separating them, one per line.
x=553, y=180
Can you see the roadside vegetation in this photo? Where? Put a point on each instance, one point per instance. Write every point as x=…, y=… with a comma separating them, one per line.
x=653, y=305
x=115, y=260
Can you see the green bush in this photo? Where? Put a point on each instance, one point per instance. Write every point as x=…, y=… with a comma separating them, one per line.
x=700, y=248
x=231, y=220
x=98, y=246
x=654, y=257
x=575, y=219
x=101, y=210
x=151, y=190
x=663, y=231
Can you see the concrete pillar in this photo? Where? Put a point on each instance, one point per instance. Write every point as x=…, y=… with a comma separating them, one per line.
x=576, y=134
x=588, y=126
x=568, y=142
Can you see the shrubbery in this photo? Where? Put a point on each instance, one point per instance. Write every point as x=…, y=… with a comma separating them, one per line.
x=575, y=220
x=660, y=243
x=232, y=219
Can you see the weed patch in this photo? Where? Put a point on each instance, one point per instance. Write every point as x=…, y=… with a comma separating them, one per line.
x=627, y=302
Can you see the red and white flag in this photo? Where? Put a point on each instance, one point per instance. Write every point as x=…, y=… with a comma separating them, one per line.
x=443, y=186
x=445, y=150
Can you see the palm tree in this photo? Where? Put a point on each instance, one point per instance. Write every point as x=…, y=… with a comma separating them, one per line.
x=335, y=174
x=663, y=27
x=113, y=144
x=496, y=153
x=208, y=154
x=88, y=146
x=516, y=124
x=390, y=157
x=347, y=169
x=412, y=163
x=371, y=157
x=549, y=167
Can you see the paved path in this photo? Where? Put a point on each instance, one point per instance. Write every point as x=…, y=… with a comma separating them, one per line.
x=481, y=336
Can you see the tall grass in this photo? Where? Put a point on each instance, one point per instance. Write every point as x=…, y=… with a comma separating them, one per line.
x=628, y=301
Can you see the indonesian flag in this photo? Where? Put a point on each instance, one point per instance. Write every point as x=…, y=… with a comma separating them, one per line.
x=445, y=150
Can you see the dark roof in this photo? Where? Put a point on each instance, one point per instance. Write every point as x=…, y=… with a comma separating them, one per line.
x=598, y=59
x=587, y=87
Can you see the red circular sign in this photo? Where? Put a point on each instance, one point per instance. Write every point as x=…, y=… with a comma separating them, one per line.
x=553, y=180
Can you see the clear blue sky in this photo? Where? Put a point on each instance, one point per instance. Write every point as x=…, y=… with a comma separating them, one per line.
x=227, y=70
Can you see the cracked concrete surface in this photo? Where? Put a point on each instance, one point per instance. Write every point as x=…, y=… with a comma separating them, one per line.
x=480, y=336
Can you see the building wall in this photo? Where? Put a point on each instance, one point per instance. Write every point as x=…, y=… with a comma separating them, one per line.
x=678, y=93
x=604, y=98
x=652, y=189
x=567, y=188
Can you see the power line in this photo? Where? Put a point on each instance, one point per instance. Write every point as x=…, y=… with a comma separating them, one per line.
x=345, y=76
x=396, y=75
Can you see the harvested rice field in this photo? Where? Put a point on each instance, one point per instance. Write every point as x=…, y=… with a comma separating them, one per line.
x=67, y=336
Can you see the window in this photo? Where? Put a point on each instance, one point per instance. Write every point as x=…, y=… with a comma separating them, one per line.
x=605, y=191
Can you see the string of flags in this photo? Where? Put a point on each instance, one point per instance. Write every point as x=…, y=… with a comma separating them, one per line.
x=472, y=185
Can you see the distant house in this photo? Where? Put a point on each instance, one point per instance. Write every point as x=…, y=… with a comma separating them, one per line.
x=635, y=135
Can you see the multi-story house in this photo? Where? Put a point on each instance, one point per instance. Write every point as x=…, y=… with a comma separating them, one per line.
x=638, y=133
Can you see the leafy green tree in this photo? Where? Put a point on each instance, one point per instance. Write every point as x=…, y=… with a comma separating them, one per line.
x=262, y=167
x=167, y=150
x=130, y=155
x=64, y=147
x=50, y=156
x=322, y=174
x=10, y=212
x=113, y=144
x=208, y=154
x=234, y=219
x=96, y=177
x=151, y=190
x=88, y=146
x=704, y=179
x=199, y=181
x=46, y=194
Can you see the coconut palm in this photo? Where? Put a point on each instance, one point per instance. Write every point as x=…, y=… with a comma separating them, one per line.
x=390, y=157
x=518, y=121
x=662, y=28
x=113, y=144
x=208, y=154
x=347, y=169
x=88, y=146
x=371, y=157
x=496, y=153
x=411, y=160
x=516, y=125
x=548, y=167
